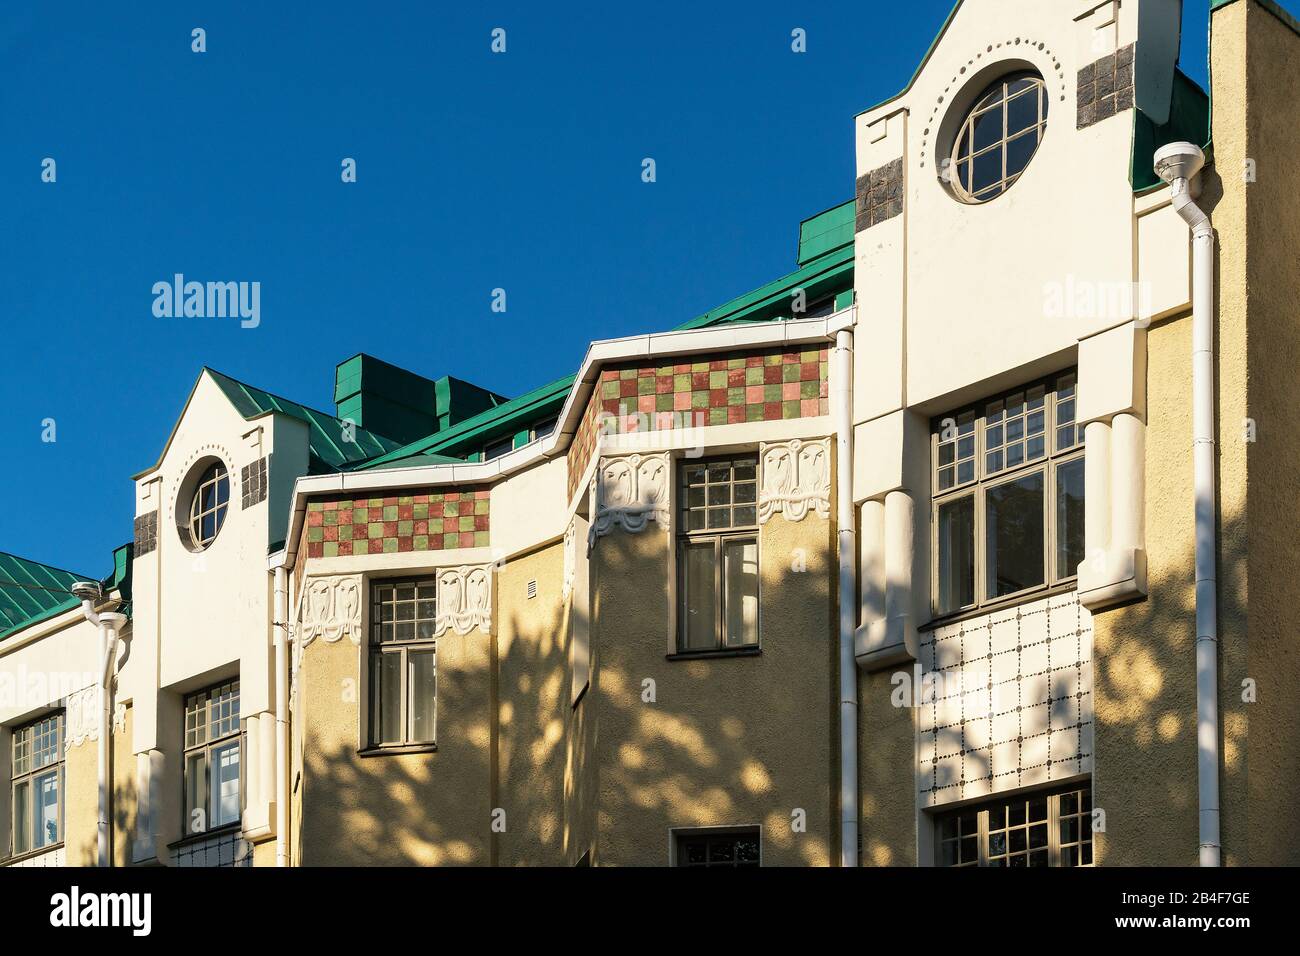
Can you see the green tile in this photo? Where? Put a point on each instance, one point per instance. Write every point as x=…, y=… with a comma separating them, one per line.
x=331, y=549
x=390, y=546
x=375, y=529
x=390, y=513
x=753, y=413
x=405, y=528
x=771, y=393
x=420, y=511
x=717, y=380
x=421, y=542
x=810, y=389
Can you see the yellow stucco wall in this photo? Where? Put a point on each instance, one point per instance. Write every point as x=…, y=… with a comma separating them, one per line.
x=1270, y=757
x=125, y=804
x=533, y=709
x=886, y=758
x=81, y=803
x=412, y=809
x=735, y=741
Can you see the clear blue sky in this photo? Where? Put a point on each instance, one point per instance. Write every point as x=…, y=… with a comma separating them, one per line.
x=475, y=171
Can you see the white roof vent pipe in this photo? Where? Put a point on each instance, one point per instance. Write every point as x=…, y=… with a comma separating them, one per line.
x=1177, y=164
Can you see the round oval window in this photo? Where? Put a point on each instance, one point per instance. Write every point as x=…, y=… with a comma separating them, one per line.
x=208, y=506
x=999, y=137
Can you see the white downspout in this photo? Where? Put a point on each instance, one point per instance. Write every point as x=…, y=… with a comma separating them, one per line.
x=109, y=625
x=842, y=412
x=281, y=625
x=1176, y=164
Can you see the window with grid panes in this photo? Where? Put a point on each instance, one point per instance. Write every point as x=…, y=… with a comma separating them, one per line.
x=738, y=849
x=717, y=554
x=403, y=663
x=1007, y=496
x=213, y=755
x=1044, y=829
x=999, y=137
x=36, y=766
x=209, y=505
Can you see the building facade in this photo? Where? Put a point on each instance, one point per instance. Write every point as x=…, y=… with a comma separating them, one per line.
x=892, y=561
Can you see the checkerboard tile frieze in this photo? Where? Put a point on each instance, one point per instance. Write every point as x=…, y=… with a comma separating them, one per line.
x=1006, y=701
x=429, y=521
x=767, y=385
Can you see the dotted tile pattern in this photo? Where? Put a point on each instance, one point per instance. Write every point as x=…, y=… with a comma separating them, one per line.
x=146, y=533
x=1012, y=701
x=759, y=386
x=431, y=521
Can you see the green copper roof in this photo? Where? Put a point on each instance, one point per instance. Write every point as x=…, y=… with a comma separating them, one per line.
x=31, y=592
x=474, y=432
x=330, y=451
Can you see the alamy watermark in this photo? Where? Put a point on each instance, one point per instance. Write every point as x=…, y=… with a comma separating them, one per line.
x=208, y=300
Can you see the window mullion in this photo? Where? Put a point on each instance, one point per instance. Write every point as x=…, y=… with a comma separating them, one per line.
x=718, y=595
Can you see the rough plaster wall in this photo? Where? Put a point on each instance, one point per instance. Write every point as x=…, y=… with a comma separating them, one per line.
x=81, y=803
x=411, y=809
x=1144, y=674
x=886, y=745
x=735, y=741
x=533, y=709
x=1273, y=289
x=1224, y=195
x=125, y=804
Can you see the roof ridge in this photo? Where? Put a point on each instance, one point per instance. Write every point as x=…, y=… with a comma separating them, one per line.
x=294, y=401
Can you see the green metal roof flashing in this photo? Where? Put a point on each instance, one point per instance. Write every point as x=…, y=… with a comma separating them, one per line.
x=329, y=450
x=827, y=231
x=1189, y=119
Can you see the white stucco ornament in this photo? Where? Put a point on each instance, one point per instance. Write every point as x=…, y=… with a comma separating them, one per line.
x=332, y=609
x=631, y=490
x=795, y=479
x=570, y=558
x=81, y=717
x=464, y=600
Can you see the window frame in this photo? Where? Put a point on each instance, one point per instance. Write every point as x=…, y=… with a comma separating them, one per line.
x=29, y=778
x=720, y=538
x=1056, y=847
x=215, y=476
x=1052, y=460
x=711, y=835
x=207, y=747
x=403, y=649
x=966, y=133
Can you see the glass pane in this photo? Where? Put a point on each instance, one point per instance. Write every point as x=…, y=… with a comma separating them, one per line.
x=747, y=851
x=22, y=818
x=387, y=693
x=1013, y=520
x=1069, y=518
x=987, y=170
x=47, y=809
x=988, y=129
x=423, y=690
x=956, y=554
x=196, y=792
x=701, y=607
x=1022, y=113
x=225, y=784
x=740, y=575
x=1020, y=151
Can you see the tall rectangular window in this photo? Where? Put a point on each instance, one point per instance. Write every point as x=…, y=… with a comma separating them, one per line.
x=1007, y=496
x=213, y=759
x=403, y=663
x=717, y=554
x=37, y=795
x=1040, y=829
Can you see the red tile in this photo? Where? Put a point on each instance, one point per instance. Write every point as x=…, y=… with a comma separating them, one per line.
x=771, y=411
x=772, y=375
x=627, y=388
x=754, y=395
x=718, y=365
x=467, y=539
x=436, y=509
x=736, y=413
x=332, y=532
x=480, y=522
x=390, y=529
x=345, y=549
x=753, y=361
x=389, y=502
x=699, y=381
x=315, y=519
x=718, y=398
x=406, y=543
x=405, y=512
x=316, y=549
x=375, y=546
x=735, y=378
x=663, y=384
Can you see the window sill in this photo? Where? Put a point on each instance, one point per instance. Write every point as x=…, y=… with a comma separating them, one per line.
x=993, y=607
x=708, y=655
x=398, y=751
x=30, y=854
x=216, y=832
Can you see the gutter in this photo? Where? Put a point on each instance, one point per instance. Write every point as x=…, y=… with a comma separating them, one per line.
x=280, y=622
x=842, y=412
x=1177, y=164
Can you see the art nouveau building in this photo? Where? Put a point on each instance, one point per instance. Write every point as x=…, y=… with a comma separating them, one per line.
x=893, y=560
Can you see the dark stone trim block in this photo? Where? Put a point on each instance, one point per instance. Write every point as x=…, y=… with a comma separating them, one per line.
x=1105, y=88
x=879, y=195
